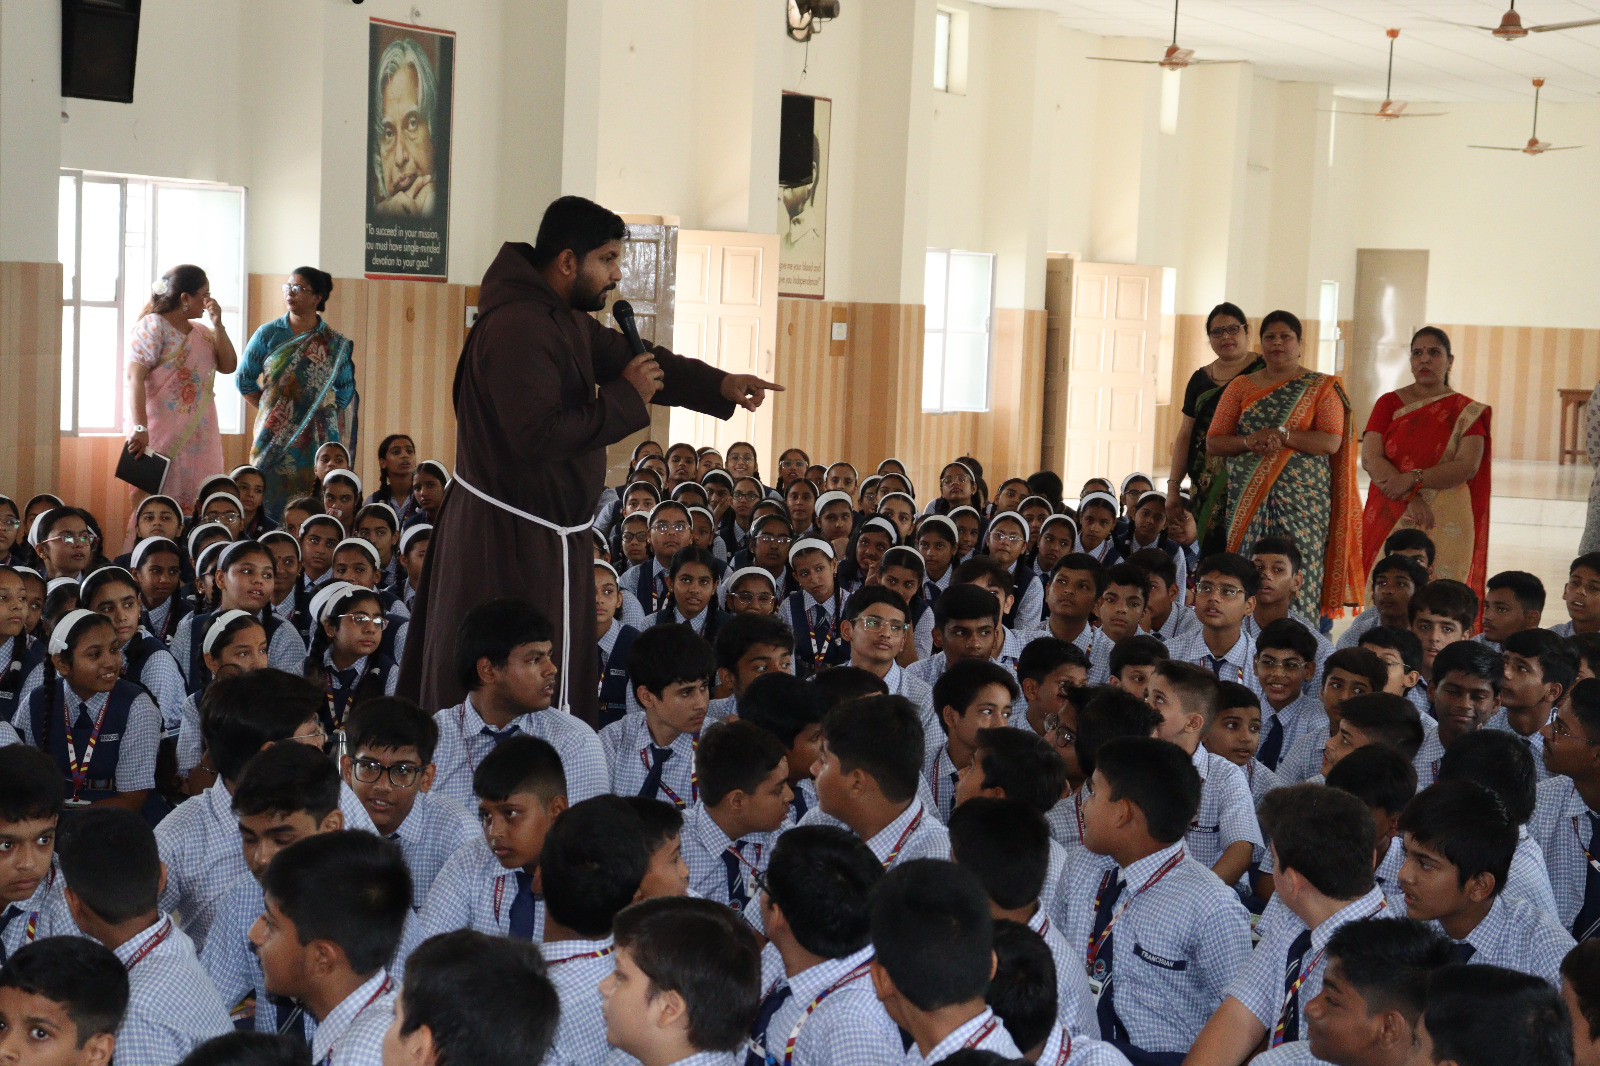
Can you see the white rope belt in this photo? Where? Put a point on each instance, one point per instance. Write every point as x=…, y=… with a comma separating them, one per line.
x=564, y=532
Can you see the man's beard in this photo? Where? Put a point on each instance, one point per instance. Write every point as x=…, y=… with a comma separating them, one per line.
x=584, y=300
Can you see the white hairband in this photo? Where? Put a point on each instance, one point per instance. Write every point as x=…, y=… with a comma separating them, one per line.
x=150, y=544
x=889, y=460
x=1040, y=500
x=281, y=534
x=222, y=496
x=30, y=571
x=324, y=517
x=939, y=519
x=60, y=582
x=330, y=592
x=325, y=447
x=168, y=500
x=701, y=510
x=199, y=530
x=210, y=551
x=34, y=530
x=386, y=507
x=63, y=629
x=411, y=533
x=811, y=544
x=739, y=575
x=358, y=542
x=968, y=508
x=1059, y=518
x=609, y=569
x=1131, y=478
x=1014, y=516
x=905, y=549
x=245, y=469
x=886, y=497
x=853, y=471
x=877, y=521
x=1103, y=497
x=834, y=496
x=444, y=473
x=349, y=475
x=221, y=623
x=720, y=474
x=1147, y=495
x=665, y=503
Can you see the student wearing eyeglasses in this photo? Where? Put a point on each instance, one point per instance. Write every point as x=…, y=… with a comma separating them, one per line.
x=877, y=625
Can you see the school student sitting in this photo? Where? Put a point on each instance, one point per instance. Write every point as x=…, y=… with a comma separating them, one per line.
x=649, y=580
x=1286, y=661
x=667, y=874
x=815, y=910
x=1581, y=595
x=1467, y=677
x=1401, y=652
x=1349, y=672
x=114, y=592
x=692, y=600
x=1235, y=734
x=790, y=710
x=593, y=862
x=1540, y=670
x=1225, y=591
x=1162, y=935
x=347, y=659
x=1166, y=616
x=748, y=646
x=877, y=624
x=1106, y=715
x=745, y=795
x=504, y=661
x=1512, y=602
x=1023, y=995
x=1097, y=516
x=521, y=790
x=1503, y=764
x=389, y=766
x=1458, y=844
x=1376, y=718
x=1395, y=579
x=1487, y=1016
x=1372, y=996
x=1019, y=766
x=32, y=902
x=335, y=907
x=686, y=985
x=1280, y=567
x=62, y=1000
x=651, y=752
x=1383, y=779
x=1070, y=596
x=1565, y=818
x=244, y=582
x=1118, y=611
x=468, y=997
x=973, y=695
x=1047, y=670
x=113, y=874
x=869, y=763
x=1442, y=613
x=1007, y=845
x=234, y=643
x=616, y=637
x=1323, y=848
x=932, y=934
x=967, y=619
x=813, y=611
x=1134, y=661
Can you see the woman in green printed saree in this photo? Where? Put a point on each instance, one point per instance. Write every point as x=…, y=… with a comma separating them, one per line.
x=1288, y=436
x=301, y=376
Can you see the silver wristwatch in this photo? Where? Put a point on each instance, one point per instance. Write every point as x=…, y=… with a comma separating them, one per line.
x=140, y=429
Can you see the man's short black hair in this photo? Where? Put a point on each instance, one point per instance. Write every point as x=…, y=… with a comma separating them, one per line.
x=707, y=954
x=933, y=933
x=1405, y=540
x=748, y=630
x=1141, y=649
x=1156, y=563
x=1280, y=546
x=1231, y=695
x=493, y=630
x=1047, y=484
x=485, y=999
x=30, y=785
x=595, y=857
x=1468, y=825
x=821, y=878
x=1157, y=777
x=1325, y=835
x=867, y=595
x=286, y=779
x=1025, y=765
x=1378, y=776
x=881, y=736
x=110, y=860
x=734, y=756
x=1287, y=634
x=391, y=722
x=1558, y=662
x=966, y=603
x=1502, y=762
x=1043, y=656
x=572, y=222
x=782, y=704
x=350, y=888
x=1526, y=589
x=1231, y=564
x=1386, y=719
x=1126, y=575
x=1080, y=562
x=660, y=820
x=1388, y=960
x=241, y=714
x=520, y=764
x=1403, y=564
x=82, y=975
x=1487, y=1016
x=1023, y=989
x=1402, y=641
x=1363, y=662
x=1110, y=713
x=979, y=568
x=1470, y=657
x=1447, y=598
x=668, y=655
x=1006, y=844
x=841, y=684
x=959, y=686
x=1580, y=971
x=1585, y=704
x=248, y=1048
x=1194, y=683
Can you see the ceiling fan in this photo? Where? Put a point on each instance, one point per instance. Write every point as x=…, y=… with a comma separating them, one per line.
x=1534, y=146
x=1175, y=58
x=1512, y=29
x=1390, y=108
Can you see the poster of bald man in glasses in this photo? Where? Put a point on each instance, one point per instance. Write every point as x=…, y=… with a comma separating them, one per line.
x=803, y=195
x=410, y=90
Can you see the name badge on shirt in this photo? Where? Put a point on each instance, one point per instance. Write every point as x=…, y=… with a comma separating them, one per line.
x=106, y=738
x=1156, y=960
x=1198, y=828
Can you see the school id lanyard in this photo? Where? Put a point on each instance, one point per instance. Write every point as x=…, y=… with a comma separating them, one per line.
x=904, y=836
x=79, y=768
x=598, y=953
x=1594, y=862
x=1305, y=972
x=694, y=775
x=1109, y=879
x=388, y=983
x=794, y=1034
x=149, y=946
x=822, y=641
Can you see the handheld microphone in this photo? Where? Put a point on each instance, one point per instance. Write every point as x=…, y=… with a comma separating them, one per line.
x=622, y=315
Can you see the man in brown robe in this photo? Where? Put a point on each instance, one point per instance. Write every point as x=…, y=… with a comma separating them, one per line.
x=541, y=388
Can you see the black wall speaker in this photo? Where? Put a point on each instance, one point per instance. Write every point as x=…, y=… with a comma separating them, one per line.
x=99, y=44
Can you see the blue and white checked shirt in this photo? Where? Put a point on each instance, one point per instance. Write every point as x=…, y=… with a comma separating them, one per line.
x=983, y=1032
x=140, y=738
x=1291, y=1053
x=1528, y=879
x=848, y=1026
x=1261, y=781
x=46, y=910
x=1561, y=827
x=1080, y=1050
x=161, y=676
x=473, y=891
x=1181, y=621
x=1364, y=622
x=1387, y=878
x=1427, y=760
x=1175, y=947
x=191, y=744
x=172, y=1004
x=704, y=844
x=627, y=743
x=352, y=1033
x=1074, y=1002
x=699, y=1058
x=1563, y=629
x=1304, y=717
x=436, y=829
x=576, y=968
x=1239, y=661
x=939, y=773
x=928, y=840
x=1501, y=720
x=1252, y=629
x=1304, y=761
x=1515, y=935
x=932, y=668
x=1227, y=813
x=463, y=744
x=902, y=682
x=1066, y=821
x=234, y=968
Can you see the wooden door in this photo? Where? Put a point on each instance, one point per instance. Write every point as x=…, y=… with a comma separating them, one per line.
x=1114, y=340
x=727, y=315
x=649, y=262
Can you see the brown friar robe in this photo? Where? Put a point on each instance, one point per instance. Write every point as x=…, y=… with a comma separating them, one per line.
x=539, y=393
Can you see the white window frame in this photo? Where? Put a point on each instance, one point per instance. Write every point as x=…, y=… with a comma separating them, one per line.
x=944, y=406
x=942, y=33
x=71, y=359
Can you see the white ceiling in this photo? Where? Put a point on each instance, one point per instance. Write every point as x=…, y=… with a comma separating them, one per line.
x=1342, y=42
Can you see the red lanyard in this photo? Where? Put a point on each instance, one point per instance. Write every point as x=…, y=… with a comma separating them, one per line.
x=904, y=836
x=1110, y=878
x=461, y=728
x=149, y=946
x=32, y=929
x=597, y=954
x=1077, y=808
x=1305, y=972
x=1066, y=1048
x=499, y=894
x=794, y=1034
x=1592, y=860
x=694, y=775
x=982, y=1034
x=80, y=768
x=751, y=866
x=822, y=643
x=327, y=1060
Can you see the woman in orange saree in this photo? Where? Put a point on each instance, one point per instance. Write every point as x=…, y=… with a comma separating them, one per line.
x=1427, y=448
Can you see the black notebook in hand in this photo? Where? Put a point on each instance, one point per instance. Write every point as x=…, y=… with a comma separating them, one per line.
x=145, y=471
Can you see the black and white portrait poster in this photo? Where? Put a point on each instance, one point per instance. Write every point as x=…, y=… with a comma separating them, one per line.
x=410, y=90
x=803, y=195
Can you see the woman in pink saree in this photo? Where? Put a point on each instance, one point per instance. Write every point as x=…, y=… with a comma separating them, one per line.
x=175, y=359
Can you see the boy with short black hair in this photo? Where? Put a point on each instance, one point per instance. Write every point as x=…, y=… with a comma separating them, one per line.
x=1565, y=822
x=1467, y=677
x=973, y=695
x=1070, y=596
x=1323, y=848
x=877, y=624
x=1133, y=663
x=1376, y=718
x=470, y=997
x=1385, y=781
x=335, y=907
x=1348, y=672
x=1513, y=601
x=31, y=887
x=1235, y=734
x=62, y=1000
x=816, y=910
x=1401, y=652
x=1225, y=594
x=748, y=646
x=1119, y=611
x=1166, y=616
x=728, y=836
x=1458, y=845
x=1581, y=595
x=1280, y=567
x=790, y=710
x=687, y=982
x=1395, y=579
x=651, y=752
x=1442, y=612
x=1047, y=670
x=1486, y=1016
x=667, y=874
x=113, y=873
x=592, y=865
x=1023, y=995
x=1105, y=716
x=1162, y=935
x=389, y=765
x=967, y=618
x=1540, y=670
x=1580, y=991
x=1286, y=661
x=504, y=661
x=1413, y=544
x=1503, y=763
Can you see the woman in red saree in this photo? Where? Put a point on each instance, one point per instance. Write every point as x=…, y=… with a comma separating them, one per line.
x=1427, y=448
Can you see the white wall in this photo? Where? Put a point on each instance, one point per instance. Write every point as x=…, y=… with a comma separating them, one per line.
x=30, y=129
